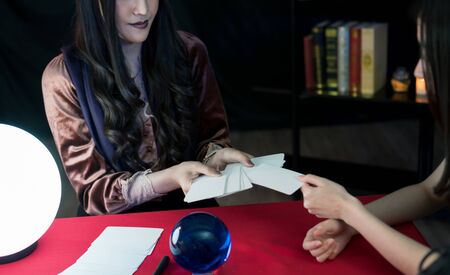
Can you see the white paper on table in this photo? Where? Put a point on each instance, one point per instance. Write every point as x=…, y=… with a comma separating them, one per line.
x=117, y=250
x=137, y=239
x=88, y=269
x=121, y=268
x=112, y=258
x=279, y=179
x=206, y=187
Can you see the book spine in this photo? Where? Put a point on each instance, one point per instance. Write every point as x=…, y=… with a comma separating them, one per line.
x=308, y=54
x=343, y=60
x=319, y=58
x=355, y=61
x=331, y=59
x=367, y=61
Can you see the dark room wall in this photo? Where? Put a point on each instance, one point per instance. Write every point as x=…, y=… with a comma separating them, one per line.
x=249, y=46
x=248, y=42
x=32, y=32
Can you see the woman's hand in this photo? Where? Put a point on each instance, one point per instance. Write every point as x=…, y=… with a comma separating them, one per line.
x=327, y=239
x=184, y=173
x=326, y=199
x=228, y=155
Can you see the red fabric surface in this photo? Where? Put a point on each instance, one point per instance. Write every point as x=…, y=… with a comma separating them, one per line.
x=266, y=239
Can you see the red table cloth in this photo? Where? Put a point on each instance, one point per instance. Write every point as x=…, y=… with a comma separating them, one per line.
x=266, y=239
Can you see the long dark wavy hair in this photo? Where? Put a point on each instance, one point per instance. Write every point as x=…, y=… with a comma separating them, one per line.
x=434, y=27
x=165, y=72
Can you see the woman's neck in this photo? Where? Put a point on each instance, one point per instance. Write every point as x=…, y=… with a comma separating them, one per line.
x=132, y=54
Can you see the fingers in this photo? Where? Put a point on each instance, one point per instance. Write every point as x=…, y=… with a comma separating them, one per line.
x=318, y=232
x=231, y=155
x=312, y=179
x=321, y=240
x=321, y=258
x=309, y=243
x=334, y=253
x=306, y=189
x=248, y=155
x=200, y=168
x=308, y=201
x=324, y=248
x=238, y=156
x=186, y=187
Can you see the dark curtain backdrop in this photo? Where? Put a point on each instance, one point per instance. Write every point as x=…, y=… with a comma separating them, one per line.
x=248, y=42
x=31, y=34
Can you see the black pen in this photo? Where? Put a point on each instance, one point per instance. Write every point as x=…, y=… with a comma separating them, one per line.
x=162, y=265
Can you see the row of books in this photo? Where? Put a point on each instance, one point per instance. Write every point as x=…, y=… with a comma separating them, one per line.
x=346, y=58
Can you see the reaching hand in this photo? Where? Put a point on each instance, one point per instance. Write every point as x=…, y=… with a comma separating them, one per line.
x=326, y=199
x=229, y=155
x=185, y=172
x=327, y=239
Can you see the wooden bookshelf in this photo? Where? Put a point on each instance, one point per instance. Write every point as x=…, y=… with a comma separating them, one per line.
x=384, y=105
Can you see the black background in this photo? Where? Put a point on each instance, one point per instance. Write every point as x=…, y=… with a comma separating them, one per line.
x=249, y=43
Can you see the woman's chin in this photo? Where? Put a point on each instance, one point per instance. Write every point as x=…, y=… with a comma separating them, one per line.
x=135, y=39
x=135, y=36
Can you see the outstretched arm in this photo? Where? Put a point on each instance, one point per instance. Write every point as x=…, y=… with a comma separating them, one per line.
x=401, y=251
x=411, y=202
x=327, y=199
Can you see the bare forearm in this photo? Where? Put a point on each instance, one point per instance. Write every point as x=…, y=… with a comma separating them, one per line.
x=410, y=202
x=402, y=252
x=406, y=204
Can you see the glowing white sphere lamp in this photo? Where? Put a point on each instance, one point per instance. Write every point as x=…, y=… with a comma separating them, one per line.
x=30, y=192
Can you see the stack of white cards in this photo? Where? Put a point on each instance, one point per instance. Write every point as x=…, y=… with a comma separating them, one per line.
x=236, y=177
x=118, y=250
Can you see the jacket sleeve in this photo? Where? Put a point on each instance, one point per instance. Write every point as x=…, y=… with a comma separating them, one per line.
x=213, y=124
x=98, y=187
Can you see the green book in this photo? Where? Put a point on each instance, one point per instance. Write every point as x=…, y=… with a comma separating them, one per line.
x=331, y=57
x=318, y=33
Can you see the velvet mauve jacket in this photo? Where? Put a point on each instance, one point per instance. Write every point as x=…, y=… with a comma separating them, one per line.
x=99, y=186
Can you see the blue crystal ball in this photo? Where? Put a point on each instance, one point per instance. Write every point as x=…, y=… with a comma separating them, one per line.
x=200, y=242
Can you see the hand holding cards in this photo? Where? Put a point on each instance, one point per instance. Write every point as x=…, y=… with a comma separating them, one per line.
x=267, y=172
